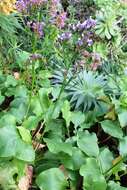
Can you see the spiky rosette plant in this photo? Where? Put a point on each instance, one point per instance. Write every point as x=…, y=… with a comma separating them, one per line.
x=84, y=91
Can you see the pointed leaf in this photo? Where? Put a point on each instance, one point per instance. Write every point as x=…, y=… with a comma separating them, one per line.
x=66, y=112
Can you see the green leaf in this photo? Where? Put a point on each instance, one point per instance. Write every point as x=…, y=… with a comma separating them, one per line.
x=10, y=81
x=44, y=98
x=21, y=91
x=7, y=171
x=75, y=161
x=123, y=118
x=22, y=58
x=56, y=146
x=31, y=123
x=25, y=134
x=123, y=146
x=77, y=118
x=115, y=186
x=105, y=158
x=112, y=128
x=87, y=142
x=2, y=98
x=55, y=127
x=11, y=144
x=18, y=108
x=45, y=74
x=66, y=112
x=35, y=106
x=51, y=179
x=107, y=34
x=93, y=179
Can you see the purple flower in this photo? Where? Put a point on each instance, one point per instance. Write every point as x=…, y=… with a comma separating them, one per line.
x=23, y=5
x=90, y=23
x=37, y=27
x=89, y=42
x=87, y=24
x=80, y=42
x=65, y=36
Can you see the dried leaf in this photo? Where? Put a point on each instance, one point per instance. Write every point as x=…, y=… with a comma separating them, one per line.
x=26, y=181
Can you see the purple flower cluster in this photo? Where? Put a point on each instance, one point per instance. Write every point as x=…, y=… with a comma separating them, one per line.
x=85, y=39
x=23, y=5
x=65, y=36
x=87, y=24
x=37, y=27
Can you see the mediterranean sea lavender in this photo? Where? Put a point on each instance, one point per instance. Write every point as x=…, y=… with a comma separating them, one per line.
x=65, y=36
x=37, y=27
x=23, y=5
x=87, y=24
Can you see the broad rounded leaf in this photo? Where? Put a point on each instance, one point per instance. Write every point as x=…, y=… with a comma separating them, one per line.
x=115, y=186
x=123, y=118
x=87, y=142
x=75, y=161
x=106, y=159
x=31, y=122
x=11, y=144
x=93, y=179
x=56, y=146
x=51, y=179
x=112, y=128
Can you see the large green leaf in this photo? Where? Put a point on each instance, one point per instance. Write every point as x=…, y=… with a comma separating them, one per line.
x=77, y=118
x=123, y=146
x=31, y=122
x=51, y=179
x=93, y=178
x=75, y=161
x=87, y=142
x=18, y=108
x=10, y=172
x=105, y=158
x=112, y=128
x=43, y=96
x=41, y=102
x=56, y=146
x=123, y=118
x=11, y=144
x=7, y=171
x=115, y=186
